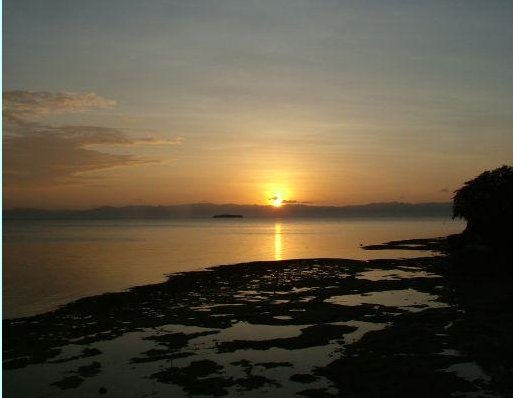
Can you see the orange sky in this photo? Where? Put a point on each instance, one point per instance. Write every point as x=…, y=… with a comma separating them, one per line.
x=234, y=102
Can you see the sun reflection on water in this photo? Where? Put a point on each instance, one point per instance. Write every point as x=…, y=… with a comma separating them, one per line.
x=277, y=242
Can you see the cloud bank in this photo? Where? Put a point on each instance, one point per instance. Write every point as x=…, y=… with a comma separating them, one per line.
x=38, y=153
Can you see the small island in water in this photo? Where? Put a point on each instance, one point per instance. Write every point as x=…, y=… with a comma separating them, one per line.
x=227, y=216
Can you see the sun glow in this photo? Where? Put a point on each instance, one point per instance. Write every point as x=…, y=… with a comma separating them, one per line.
x=277, y=200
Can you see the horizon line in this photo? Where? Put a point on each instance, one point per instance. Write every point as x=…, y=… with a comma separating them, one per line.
x=298, y=204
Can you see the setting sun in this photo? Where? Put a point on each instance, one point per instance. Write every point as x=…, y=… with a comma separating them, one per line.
x=277, y=200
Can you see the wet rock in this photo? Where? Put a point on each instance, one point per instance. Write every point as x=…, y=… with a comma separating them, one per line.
x=316, y=393
x=196, y=369
x=160, y=355
x=90, y=352
x=254, y=382
x=69, y=382
x=271, y=365
x=370, y=375
x=303, y=378
x=89, y=370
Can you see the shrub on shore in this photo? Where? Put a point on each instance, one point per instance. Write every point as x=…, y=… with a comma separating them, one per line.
x=486, y=203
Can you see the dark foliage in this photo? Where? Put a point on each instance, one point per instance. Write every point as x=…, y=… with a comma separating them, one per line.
x=486, y=202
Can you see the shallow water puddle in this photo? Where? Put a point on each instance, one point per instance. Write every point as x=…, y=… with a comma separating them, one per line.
x=249, y=331
x=111, y=366
x=470, y=371
x=390, y=275
x=279, y=366
x=208, y=307
x=407, y=299
x=363, y=328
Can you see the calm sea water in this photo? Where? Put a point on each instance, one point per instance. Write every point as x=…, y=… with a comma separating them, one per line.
x=50, y=263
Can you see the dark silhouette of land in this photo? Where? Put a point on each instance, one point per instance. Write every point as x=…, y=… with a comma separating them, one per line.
x=486, y=203
x=206, y=210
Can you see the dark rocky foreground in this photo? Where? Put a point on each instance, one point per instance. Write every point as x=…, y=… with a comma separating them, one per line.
x=424, y=327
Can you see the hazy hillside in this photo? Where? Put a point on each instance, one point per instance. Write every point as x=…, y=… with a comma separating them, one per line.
x=205, y=210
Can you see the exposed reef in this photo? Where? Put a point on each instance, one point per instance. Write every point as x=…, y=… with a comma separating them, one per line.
x=317, y=327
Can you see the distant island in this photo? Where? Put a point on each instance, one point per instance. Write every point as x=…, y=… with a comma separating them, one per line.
x=205, y=210
x=227, y=216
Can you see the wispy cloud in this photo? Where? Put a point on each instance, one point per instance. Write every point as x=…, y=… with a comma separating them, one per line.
x=38, y=153
x=22, y=106
x=296, y=202
x=156, y=141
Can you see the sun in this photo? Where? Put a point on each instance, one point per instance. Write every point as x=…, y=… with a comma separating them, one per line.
x=277, y=200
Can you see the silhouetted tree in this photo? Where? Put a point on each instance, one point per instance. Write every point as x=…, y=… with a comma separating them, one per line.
x=486, y=202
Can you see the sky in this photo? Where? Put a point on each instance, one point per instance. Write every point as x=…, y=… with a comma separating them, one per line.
x=325, y=102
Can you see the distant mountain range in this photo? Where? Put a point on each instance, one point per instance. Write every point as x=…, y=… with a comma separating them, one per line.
x=207, y=210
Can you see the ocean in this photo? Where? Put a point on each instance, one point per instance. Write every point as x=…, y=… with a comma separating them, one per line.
x=50, y=263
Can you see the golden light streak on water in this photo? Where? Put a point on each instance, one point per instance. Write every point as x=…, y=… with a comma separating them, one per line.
x=277, y=242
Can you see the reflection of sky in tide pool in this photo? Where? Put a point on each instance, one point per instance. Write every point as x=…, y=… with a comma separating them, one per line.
x=469, y=370
x=256, y=332
x=382, y=275
x=117, y=366
x=275, y=364
x=407, y=299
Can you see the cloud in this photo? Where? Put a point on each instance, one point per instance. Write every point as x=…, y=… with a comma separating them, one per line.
x=289, y=201
x=40, y=154
x=155, y=141
x=296, y=202
x=60, y=157
x=23, y=105
x=444, y=190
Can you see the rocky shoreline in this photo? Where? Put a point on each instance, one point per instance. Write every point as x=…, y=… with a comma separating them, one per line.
x=317, y=327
